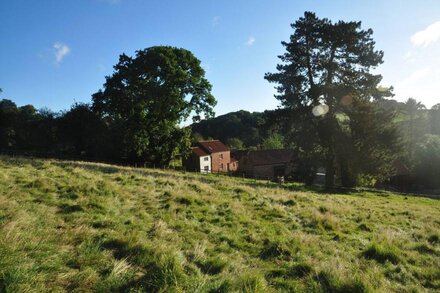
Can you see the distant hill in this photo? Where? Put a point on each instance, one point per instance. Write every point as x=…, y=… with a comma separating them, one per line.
x=244, y=125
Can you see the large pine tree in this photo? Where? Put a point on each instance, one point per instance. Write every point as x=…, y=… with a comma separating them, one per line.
x=324, y=63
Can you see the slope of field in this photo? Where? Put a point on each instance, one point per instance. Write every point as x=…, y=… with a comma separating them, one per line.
x=67, y=226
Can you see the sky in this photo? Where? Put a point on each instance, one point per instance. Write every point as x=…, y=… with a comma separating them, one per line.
x=54, y=53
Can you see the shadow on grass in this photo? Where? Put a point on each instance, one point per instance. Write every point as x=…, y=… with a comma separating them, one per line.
x=68, y=209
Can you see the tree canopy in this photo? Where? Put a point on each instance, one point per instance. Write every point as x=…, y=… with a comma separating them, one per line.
x=325, y=67
x=148, y=96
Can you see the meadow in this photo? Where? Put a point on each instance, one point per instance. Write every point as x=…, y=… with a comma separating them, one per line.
x=80, y=227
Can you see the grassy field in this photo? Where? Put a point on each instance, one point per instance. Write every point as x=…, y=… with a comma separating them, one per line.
x=67, y=226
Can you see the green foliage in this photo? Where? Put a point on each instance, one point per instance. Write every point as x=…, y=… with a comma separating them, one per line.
x=370, y=145
x=427, y=161
x=26, y=129
x=235, y=143
x=241, y=125
x=434, y=119
x=196, y=137
x=83, y=133
x=147, y=97
x=273, y=142
x=414, y=126
x=323, y=63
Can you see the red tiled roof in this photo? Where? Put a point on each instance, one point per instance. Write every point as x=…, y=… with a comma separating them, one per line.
x=199, y=152
x=213, y=146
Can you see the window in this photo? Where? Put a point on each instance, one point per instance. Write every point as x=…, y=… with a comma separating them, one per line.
x=206, y=168
x=206, y=159
x=221, y=166
x=221, y=156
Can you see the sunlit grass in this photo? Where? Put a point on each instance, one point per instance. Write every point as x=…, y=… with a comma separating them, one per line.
x=70, y=226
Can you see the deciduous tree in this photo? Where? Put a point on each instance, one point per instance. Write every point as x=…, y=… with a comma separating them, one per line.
x=148, y=96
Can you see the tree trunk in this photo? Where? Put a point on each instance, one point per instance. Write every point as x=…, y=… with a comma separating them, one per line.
x=328, y=139
x=330, y=172
x=348, y=174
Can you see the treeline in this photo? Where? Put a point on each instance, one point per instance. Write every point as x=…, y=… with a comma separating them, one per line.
x=77, y=133
x=419, y=130
x=240, y=130
x=134, y=119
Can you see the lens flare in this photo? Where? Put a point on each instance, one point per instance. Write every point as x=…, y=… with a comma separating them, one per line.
x=347, y=100
x=382, y=88
x=320, y=110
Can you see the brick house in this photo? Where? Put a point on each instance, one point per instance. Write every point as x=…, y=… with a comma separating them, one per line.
x=211, y=156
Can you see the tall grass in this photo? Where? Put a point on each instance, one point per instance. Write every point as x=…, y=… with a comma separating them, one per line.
x=75, y=226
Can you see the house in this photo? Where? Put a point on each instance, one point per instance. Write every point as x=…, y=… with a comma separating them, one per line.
x=199, y=160
x=211, y=156
x=265, y=163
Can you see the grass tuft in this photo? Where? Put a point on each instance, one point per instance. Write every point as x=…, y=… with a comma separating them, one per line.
x=212, y=266
x=275, y=249
x=332, y=283
x=382, y=252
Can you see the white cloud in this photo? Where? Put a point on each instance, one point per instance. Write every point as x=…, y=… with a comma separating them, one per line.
x=427, y=36
x=418, y=71
x=421, y=84
x=215, y=20
x=61, y=50
x=419, y=74
x=250, y=41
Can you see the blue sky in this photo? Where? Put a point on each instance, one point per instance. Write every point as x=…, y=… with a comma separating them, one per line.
x=54, y=52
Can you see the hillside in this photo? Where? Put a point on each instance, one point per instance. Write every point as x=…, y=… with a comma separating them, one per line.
x=243, y=125
x=68, y=226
